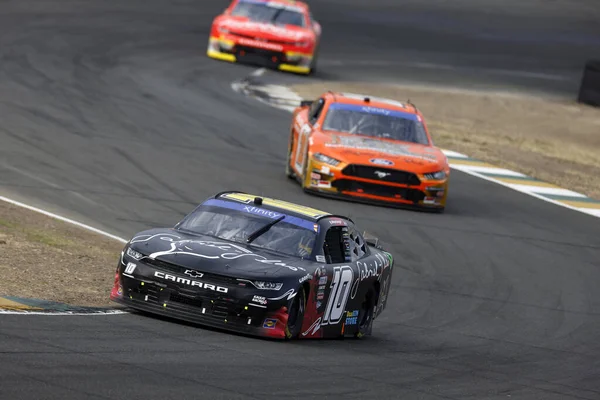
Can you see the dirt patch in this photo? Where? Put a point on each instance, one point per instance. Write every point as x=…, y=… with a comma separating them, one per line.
x=44, y=258
x=552, y=140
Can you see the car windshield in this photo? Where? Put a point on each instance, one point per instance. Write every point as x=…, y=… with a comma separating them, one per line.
x=270, y=12
x=375, y=122
x=228, y=220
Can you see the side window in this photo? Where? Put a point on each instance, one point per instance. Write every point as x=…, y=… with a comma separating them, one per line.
x=358, y=247
x=334, y=247
x=315, y=110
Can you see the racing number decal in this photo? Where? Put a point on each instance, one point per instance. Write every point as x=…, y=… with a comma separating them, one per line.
x=340, y=289
x=130, y=268
x=301, y=147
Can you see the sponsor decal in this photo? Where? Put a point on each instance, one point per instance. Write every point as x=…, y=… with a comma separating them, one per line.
x=264, y=28
x=305, y=278
x=314, y=175
x=260, y=300
x=261, y=44
x=261, y=211
x=324, y=184
x=376, y=110
x=193, y=273
x=323, y=280
x=358, y=143
x=352, y=317
x=337, y=222
x=367, y=271
x=319, y=304
x=322, y=287
x=269, y=323
x=190, y=282
x=130, y=268
x=249, y=199
x=120, y=290
x=320, y=259
x=320, y=296
x=381, y=161
x=325, y=170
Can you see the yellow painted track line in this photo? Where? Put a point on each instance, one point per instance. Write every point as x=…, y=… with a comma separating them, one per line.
x=7, y=304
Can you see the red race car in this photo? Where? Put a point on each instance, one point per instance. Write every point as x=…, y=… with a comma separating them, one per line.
x=279, y=34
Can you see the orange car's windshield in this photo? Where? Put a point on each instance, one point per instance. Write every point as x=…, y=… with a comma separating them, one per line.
x=268, y=12
x=375, y=122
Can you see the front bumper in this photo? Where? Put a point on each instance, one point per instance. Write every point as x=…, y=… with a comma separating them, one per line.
x=228, y=49
x=223, y=311
x=331, y=181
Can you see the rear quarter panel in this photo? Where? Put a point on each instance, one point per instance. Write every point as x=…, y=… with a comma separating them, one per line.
x=338, y=291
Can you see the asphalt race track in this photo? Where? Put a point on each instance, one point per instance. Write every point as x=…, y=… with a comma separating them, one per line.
x=111, y=114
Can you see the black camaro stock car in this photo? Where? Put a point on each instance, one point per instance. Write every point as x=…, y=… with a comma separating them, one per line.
x=259, y=266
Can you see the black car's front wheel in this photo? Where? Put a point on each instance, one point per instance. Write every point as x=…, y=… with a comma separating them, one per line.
x=296, y=307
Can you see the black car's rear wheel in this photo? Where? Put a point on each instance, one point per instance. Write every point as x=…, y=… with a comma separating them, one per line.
x=367, y=313
x=296, y=307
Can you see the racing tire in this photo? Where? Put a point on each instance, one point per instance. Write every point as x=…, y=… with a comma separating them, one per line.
x=589, y=89
x=304, y=173
x=289, y=172
x=313, y=62
x=296, y=308
x=313, y=66
x=367, y=313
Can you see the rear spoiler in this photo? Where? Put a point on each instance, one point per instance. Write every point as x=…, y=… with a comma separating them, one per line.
x=305, y=103
x=372, y=240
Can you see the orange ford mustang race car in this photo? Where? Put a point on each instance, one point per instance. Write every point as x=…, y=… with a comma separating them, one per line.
x=368, y=149
x=279, y=34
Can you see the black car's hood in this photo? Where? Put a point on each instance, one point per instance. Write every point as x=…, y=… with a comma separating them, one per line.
x=211, y=255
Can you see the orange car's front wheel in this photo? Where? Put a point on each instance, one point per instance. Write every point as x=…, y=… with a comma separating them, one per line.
x=305, y=179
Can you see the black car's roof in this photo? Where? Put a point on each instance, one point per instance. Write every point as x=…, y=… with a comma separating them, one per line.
x=282, y=206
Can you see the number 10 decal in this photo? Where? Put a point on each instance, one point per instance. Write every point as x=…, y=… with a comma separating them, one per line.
x=340, y=289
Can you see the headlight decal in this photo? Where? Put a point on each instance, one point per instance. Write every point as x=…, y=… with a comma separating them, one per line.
x=326, y=159
x=438, y=175
x=135, y=254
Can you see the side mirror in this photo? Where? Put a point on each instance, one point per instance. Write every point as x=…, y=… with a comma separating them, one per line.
x=317, y=27
x=305, y=103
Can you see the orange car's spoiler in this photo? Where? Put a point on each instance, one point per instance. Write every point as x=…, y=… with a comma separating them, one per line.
x=305, y=103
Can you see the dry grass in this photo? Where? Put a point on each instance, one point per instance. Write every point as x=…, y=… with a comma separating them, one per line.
x=47, y=259
x=552, y=140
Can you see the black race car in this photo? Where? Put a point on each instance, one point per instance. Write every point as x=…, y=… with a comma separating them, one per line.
x=259, y=266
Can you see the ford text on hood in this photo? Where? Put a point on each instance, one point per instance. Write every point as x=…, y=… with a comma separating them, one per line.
x=278, y=34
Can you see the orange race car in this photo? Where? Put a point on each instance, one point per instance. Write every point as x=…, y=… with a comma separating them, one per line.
x=368, y=149
x=278, y=34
